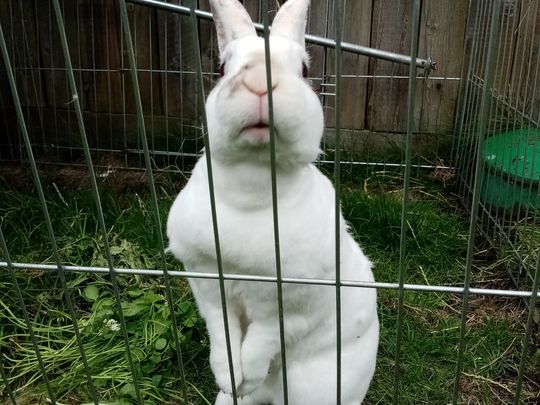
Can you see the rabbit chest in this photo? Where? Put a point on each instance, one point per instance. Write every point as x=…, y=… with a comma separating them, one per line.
x=246, y=234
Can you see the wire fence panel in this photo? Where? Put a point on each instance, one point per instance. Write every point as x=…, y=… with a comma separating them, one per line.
x=513, y=105
x=499, y=87
x=102, y=119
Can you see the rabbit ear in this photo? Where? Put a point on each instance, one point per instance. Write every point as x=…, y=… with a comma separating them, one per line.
x=232, y=21
x=290, y=21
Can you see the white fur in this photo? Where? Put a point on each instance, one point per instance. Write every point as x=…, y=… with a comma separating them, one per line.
x=242, y=180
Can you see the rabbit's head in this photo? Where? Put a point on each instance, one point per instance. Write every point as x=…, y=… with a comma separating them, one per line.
x=237, y=108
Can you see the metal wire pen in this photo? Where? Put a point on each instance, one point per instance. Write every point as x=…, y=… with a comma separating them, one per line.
x=102, y=88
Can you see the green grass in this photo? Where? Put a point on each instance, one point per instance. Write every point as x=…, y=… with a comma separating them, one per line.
x=436, y=248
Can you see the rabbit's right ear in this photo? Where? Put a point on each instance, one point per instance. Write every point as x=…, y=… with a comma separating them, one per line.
x=232, y=21
x=290, y=21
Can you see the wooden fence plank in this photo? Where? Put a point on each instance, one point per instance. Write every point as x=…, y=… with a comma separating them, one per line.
x=442, y=34
x=166, y=56
x=56, y=90
x=145, y=42
x=357, y=30
x=5, y=13
x=105, y=94
x=253, y=7
x=318, y=25
x=176, y=58
x=387, y=97
x=25, y=50
x=19, y=25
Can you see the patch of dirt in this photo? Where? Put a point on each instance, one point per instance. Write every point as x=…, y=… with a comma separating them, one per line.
x=108, y=173
x=477, y=390
x=443, y=175
x=482, y=308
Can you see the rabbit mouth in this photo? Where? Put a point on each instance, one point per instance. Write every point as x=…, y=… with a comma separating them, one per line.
x=256, y=134
x=261, y=125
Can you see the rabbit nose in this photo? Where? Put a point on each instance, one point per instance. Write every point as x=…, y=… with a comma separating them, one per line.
x=254, y=79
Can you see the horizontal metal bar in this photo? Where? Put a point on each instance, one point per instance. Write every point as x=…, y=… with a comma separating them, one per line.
x=198, y=155
x=426, y=64
x=382, y=164
x=432, y=78
x=216, y=74
x=270, y=279
x=111, y=70
x=388, y=77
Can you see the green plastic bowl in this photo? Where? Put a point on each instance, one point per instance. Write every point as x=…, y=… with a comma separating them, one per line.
x=512, y=169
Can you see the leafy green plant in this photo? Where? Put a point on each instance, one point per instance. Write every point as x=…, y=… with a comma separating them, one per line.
x=147, y=316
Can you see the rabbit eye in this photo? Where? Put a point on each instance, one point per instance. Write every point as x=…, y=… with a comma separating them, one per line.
x=304, y=70
x=221, y=69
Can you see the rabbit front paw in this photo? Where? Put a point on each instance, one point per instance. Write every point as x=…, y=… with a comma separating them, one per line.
x=227, y=399
x=248, y=386
x=255, y=367
x=220, y=368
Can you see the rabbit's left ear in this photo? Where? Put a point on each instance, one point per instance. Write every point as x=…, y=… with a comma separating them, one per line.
x=290, y=21
x=232, y=21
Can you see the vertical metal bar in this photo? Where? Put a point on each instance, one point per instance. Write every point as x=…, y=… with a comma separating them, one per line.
x=39, y=188
x=165, y=75
x=181, y=90
x=468, y=146
x=274, y=197
x=77, y=58
x=463, y=93
x=535, y=91
x=123, y=81
x=338, y=22
x=151, y=80
x=54, y=101
x=200, y=88
x=94, y=77
x=447, y=10
x=95, y=190
x=26, y=316
x=151, y=183
x=6, y=381
x=109, y=86
x=482, y=127
x=470, y=95
x=411, y=93
x=324, y=73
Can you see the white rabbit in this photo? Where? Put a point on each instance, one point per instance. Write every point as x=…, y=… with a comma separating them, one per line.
x=237, y=111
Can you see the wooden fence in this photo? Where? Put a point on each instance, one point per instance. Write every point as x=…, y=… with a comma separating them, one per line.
x=374, y=96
